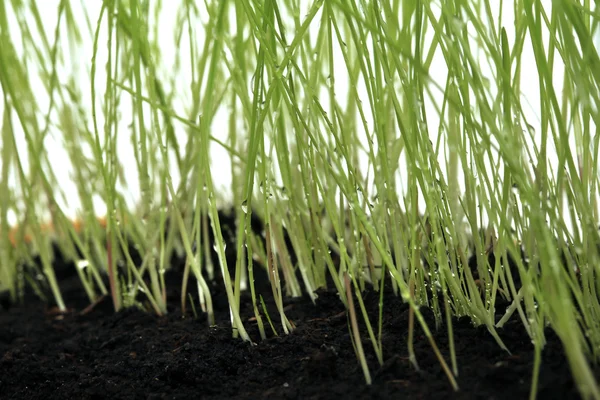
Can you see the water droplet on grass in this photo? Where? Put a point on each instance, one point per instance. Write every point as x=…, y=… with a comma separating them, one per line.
x=216, y=247
x=284, y=193
x=245, y=206
x=83, y=264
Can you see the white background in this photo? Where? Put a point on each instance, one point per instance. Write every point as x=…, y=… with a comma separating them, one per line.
x=79, y=60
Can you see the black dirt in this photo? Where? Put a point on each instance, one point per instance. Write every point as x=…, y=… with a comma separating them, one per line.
x=95, y=353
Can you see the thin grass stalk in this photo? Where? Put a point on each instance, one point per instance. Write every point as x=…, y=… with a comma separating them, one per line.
x=355, y=331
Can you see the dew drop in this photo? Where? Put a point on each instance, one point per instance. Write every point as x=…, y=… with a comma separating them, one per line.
x=83, y=264
x=284, y=193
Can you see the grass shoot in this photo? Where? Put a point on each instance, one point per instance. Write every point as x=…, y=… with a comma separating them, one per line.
x=377, y=144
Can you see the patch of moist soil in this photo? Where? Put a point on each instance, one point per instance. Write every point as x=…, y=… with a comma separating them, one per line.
x=94, y=353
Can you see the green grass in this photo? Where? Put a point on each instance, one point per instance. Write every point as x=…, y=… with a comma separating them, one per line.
x=338, y=127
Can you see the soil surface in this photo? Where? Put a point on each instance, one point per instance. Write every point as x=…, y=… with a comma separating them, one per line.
x=95, y=353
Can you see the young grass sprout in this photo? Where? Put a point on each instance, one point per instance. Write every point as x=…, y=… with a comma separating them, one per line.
x=444, y=152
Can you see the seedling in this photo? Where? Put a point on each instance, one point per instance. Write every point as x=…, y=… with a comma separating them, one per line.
x=365, y=166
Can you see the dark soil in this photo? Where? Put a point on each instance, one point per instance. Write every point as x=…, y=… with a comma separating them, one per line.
x=94, y=353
